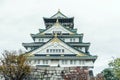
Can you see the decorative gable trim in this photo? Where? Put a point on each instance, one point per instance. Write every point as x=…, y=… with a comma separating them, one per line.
x=57, y=27
x=55, y=41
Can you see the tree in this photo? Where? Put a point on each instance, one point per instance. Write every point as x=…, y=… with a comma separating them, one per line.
x=14, y=66
x=109, y=74
x=115, y=64
x=99, y=76
x=77, y=74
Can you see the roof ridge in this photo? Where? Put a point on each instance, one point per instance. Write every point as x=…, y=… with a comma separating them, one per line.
x=58, y=13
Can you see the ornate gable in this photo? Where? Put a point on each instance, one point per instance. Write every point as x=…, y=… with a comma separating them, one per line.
x=56, y=46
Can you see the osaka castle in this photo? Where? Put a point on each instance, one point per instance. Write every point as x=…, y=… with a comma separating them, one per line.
x=59, y=45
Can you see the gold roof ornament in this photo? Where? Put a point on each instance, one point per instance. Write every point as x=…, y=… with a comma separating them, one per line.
x=55, y=35
x=57, y=23
x=58, y=10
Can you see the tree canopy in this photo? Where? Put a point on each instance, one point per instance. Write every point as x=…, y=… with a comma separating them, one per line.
x=109, y=74
x=14, y=66
x=115, y=64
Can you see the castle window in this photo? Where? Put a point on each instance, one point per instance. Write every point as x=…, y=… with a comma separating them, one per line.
x=64, y=61
x=45, y=61
x=47, y=50
x=71, y=61
x=63, y=50
x=74, y=61
x=59, y=50
x=70, y=39
x=50, y=50
x=55, y=50
x=57, y=32
x=41, y=40
x=82, y=62
x=73, y=39
x=38, y=61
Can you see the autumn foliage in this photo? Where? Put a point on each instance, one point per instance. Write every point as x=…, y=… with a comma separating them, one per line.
x=14, y=66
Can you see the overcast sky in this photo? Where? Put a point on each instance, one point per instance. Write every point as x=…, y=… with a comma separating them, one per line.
x=99, y=20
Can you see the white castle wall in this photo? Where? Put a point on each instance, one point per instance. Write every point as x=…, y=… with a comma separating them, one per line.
x=62, y=63
x=65, y=39
x=71, y=39
x=42, y=39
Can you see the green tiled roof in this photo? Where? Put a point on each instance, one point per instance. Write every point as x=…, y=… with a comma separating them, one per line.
x=57, y=18
x=41, y=43
x=79, y=44
x=63, y=21
x=60, y=14
x=41, y=30
x=32, y=44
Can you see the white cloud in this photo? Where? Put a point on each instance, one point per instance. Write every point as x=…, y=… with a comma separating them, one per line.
x=97, y=19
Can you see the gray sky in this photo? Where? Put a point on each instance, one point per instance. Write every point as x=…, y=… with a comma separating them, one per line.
x=99, y=20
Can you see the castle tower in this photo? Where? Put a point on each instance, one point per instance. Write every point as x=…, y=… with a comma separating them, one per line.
x=59, y=45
